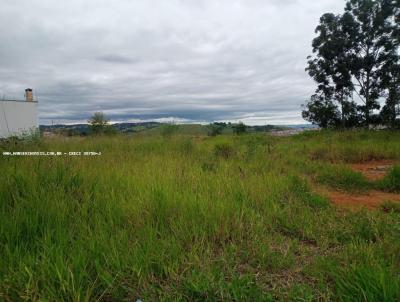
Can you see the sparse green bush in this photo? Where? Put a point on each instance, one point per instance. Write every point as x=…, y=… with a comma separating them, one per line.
x=32, y=135
x=110, y=130
x=239, y=128
x=215, y=129
x=98, y=123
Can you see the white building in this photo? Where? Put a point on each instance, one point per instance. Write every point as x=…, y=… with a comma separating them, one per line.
x=18, y=117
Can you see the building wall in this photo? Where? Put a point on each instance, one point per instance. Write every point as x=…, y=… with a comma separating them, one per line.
x=17, y=117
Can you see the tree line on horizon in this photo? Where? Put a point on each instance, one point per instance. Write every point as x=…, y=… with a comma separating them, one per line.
x=356, y=65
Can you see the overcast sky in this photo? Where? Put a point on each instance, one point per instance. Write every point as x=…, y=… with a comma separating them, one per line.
x=186, y=60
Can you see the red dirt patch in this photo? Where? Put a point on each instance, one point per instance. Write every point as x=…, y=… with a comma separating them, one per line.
x=371, y=200
x=373, y=170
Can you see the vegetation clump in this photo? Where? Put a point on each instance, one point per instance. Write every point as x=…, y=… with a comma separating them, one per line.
x=98, y=124
x=168, y=130
x=356, y=62
x=224, y=150
x=343, y=178
x=391, y=182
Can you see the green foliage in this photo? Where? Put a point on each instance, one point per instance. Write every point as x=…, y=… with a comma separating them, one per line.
x=191, y=219
x=366, y=283
x=98, y=123
x=390, y=207
x=391, y=182
x=302, y=191
x=321, y=112
x=168, y=130
x=355, y=53
x=354, y=146
x=215, y=129
x=343, y=178
x=214, y=288
x=224, y=150
x=239, y=128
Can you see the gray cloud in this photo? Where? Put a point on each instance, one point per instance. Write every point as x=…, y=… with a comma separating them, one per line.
x=116, y=58
x=197, y=60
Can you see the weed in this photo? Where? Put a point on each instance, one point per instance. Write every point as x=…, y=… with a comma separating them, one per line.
x=365, y=283
x=301, y=190
x=390, y=207
x=391, y=182
x=341, y=177
x=224, y=150
x=168, y=130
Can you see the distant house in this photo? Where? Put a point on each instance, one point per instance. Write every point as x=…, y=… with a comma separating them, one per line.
x=18, y=117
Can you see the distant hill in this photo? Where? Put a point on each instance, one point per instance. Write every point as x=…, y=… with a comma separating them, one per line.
x=84, y=129
x=155, y=128
x=302, y=126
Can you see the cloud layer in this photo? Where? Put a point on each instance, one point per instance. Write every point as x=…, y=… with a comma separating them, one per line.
x=189, y=60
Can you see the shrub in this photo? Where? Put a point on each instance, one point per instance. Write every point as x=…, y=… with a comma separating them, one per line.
x=214, y=129
x=239, y=128
x=98, y=123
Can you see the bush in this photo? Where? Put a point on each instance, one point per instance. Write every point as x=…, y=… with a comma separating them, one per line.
x=98, y=123
x=214, y=129
x=239, y=128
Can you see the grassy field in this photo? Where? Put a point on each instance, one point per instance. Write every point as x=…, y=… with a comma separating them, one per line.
x=182, y=218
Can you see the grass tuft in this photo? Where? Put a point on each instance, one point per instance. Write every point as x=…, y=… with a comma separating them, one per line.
x=391, y=182
x=365, y=283
x=343, y=178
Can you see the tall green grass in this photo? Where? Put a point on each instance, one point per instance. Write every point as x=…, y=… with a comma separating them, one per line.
x=391, y=182
x=177, y=218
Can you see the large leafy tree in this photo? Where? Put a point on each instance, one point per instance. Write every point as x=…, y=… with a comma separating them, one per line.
x=354, y=58
x=367, y=26
x=321, y=111
x=390, y=80
x=329, y=68
x=389, y=76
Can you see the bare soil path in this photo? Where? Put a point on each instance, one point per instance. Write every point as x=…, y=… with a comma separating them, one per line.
x=373, y=171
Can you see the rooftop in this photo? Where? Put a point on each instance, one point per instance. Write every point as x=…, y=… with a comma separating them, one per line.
x=24, y=101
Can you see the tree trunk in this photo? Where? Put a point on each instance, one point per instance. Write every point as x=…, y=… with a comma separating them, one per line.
x=343, y=122
x=367, y=101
